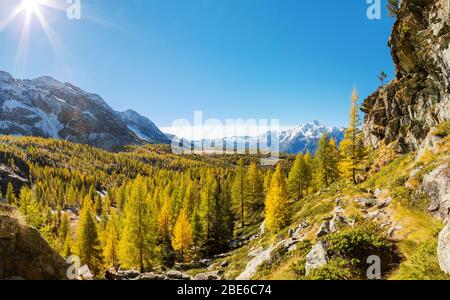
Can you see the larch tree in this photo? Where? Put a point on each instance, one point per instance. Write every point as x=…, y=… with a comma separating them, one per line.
x=88, y=244
x=308, y=171
x=182, y=235
x=352, y=149
x=254, y=191
x=238, y=192
x=135, y=248
x=111, y=248
x=277, y=205
x=297, y=177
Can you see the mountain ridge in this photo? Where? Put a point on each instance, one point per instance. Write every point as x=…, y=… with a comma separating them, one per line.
x=46, y=107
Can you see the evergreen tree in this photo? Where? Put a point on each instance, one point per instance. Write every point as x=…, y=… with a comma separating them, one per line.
x=10, y=196
x=254, y=191
x=63, y=230
x=88, y=244
x=277, y=206
x=297, y=178
x=136, y=244
x=308, y=171
x=110, y=251
x=238, y=192
x=182, y=235
x=352, y=149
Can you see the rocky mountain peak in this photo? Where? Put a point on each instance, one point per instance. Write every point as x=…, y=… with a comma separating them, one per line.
x=418, y=98
x=47, y=107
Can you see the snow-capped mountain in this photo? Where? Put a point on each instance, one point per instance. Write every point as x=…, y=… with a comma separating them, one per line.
x=298, y=139
x=143, y=128
x=48, y=108
x=306, y=137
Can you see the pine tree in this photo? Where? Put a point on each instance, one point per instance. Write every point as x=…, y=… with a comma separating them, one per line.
x=110, y=251
x=136, y=244
x=88, y=244
x=308, y=175
x=238, y=192
x=63, y=230
x=297, y=178
x=197, y=231
x=254, y=191
x=182, y=235
x=10, y=196
x=352, y=149
x=277, y=206
x=322, y=161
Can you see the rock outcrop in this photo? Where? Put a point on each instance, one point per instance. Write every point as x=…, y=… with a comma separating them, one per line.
x=418, y=98
x=437, y=185
x=444, y=249
x=316, y=258
x=25, y=254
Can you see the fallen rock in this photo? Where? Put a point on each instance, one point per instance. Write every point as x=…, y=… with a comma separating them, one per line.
x=444, y=249
x=316, y=258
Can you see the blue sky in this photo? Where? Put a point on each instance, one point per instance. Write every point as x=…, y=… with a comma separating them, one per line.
x=288, y=59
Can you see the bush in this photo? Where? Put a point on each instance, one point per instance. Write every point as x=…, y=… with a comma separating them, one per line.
x=335, y=269
x=354, y=246
x=442, y=130
x=298, y=268
x=422, y=265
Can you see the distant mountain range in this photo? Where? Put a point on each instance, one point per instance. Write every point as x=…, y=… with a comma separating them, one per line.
x=302, y=138
x=306, y=137
x=48, y=108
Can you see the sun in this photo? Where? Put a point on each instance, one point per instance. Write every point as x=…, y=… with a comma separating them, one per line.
x=31, y=6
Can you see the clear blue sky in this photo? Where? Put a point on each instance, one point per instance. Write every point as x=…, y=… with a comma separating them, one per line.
x=289, y=59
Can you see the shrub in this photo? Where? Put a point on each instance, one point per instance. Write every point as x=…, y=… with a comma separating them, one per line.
x=422, y=265
x=442, y=130
x=354, y=246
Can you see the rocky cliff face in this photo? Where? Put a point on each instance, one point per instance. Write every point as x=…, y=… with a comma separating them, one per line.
x=419, y=97
x=24, y=254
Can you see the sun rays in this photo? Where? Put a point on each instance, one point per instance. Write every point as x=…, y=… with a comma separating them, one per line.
x=30, y=9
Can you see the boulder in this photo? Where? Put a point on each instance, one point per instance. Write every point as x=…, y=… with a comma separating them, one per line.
x=366, y=202
x=444, y=249
x=316, y=258
x=215, y=275
x=177, y=275
x=24, y=253
x=436, y=185
x=385, y=203
x=324, y=229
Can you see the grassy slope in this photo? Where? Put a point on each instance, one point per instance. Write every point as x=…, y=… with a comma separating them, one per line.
x=416, y=241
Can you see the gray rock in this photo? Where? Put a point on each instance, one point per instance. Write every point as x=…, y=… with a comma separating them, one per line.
x=177, y=275
x=374, y=214
x=316, y=258
x=366, y=202
x=324, y=229
x=444, y=249
x=393, y=229
x=385, y=203
x=215, y=275
x=24, y=253
x=436, y=185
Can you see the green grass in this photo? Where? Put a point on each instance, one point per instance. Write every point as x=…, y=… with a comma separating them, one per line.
x=442, y=130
